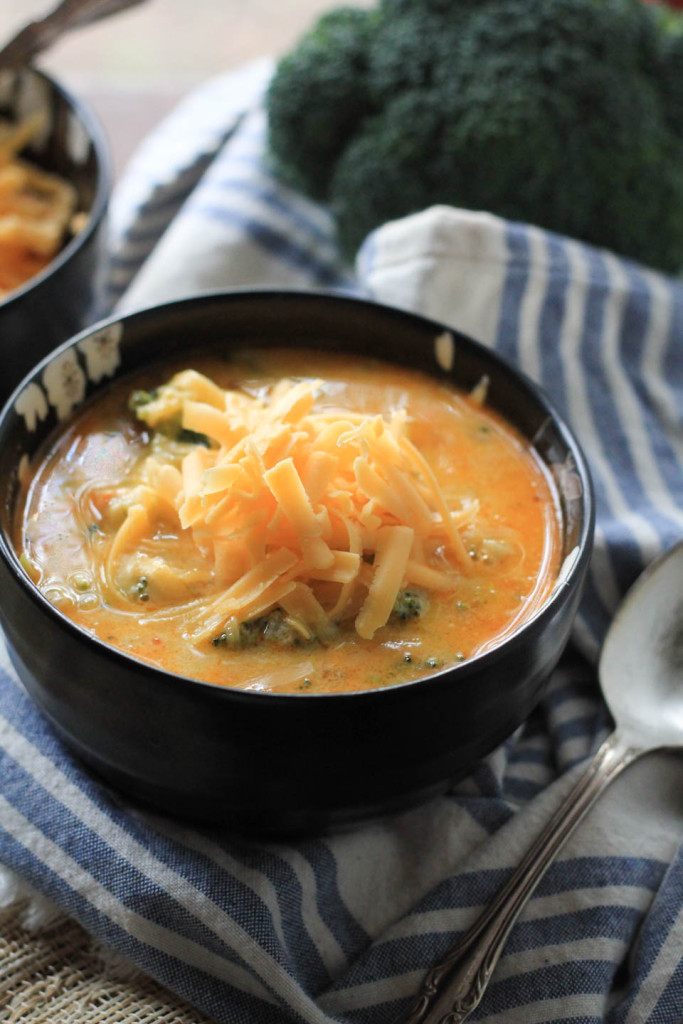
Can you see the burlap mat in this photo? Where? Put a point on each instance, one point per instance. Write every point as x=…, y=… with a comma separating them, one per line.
x=55, y=975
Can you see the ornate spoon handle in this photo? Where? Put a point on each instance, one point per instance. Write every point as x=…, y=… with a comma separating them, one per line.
x=455, y=986
x=69, y=14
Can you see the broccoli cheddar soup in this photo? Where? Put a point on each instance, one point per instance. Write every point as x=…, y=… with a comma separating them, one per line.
x=291, y=522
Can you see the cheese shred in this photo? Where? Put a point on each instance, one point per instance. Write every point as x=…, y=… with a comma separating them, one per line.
x=323, y=514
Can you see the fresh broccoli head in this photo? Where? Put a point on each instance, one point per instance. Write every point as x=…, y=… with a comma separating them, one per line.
x=672, y=77
x=567, y=114
x=318, y=97
x=383, y=173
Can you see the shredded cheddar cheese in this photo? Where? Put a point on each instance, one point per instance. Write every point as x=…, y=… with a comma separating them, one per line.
x=324, y=514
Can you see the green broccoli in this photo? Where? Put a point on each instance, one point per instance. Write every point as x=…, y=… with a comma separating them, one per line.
x=318, y=98
x=672, y=77
x=567, y=114
x=160, y=408
x=272, y=628
x=409, y=604
x=382, y=173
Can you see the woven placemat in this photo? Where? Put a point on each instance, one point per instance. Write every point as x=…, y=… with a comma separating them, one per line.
x=55, y=975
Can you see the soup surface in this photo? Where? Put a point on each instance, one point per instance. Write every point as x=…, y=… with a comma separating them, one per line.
x=291, y=522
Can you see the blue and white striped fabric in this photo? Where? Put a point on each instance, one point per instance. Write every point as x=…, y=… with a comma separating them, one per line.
x=341, y=928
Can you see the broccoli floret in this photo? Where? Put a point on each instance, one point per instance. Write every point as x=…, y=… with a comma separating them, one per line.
x=406, y=48
x=567, y=114
x=571, y=135
x=279, y=631
x=318, y=96
x=246, y=634
x=399, y=8
x=383, y=173
x=409, y=604
x=671, y=76
x=161, y=409
x=272, y=627
x=138, y=399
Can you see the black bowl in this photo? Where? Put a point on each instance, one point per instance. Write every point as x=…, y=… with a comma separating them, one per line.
x=61, y=299
x=290, y=762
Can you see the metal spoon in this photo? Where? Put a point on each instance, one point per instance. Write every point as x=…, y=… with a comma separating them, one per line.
x=641, y=674
x=69, y=14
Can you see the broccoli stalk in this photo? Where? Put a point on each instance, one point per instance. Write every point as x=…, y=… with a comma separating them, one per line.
x=567, y=114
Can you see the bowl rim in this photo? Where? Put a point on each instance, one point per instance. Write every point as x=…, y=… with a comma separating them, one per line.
x=98, y=138
x=463, y=670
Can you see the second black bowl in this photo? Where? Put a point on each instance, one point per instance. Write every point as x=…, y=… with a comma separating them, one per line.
x=62, y=298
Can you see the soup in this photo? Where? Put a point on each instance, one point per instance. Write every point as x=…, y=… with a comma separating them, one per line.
x=37, y=209
x=291, y=521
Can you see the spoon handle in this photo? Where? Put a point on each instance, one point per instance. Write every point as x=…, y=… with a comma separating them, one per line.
x=454, y=987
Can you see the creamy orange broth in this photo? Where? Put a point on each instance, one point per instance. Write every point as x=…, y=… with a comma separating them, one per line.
x=71, y=510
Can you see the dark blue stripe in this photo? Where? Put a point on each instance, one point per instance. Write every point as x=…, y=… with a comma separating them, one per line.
x=489, y=814
x=522, y=790
x=275, y=242
x=655, y=933
x=601, y=872
x=309, y=965
x=592, y=611
x=143, y=237
x=165, y=195
x=559, y=981
x=272, y=197
x=348, y=932
x=609, y=921
x=622, y=551
x=486, y=780
x=166, y=198
x=531, y=755
x=673, y=355
x=670, y=1004
x=551, y=321
x=583, y=689
x=583, y=727
x=516, y=281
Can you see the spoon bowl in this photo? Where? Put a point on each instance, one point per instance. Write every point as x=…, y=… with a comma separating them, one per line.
x=641, y=665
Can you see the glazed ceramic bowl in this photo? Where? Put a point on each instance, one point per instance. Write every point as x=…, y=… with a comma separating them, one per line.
x=261, y=761
x=60, y=300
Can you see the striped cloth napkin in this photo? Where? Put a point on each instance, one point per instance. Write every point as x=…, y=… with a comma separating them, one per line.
x=342, y=927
